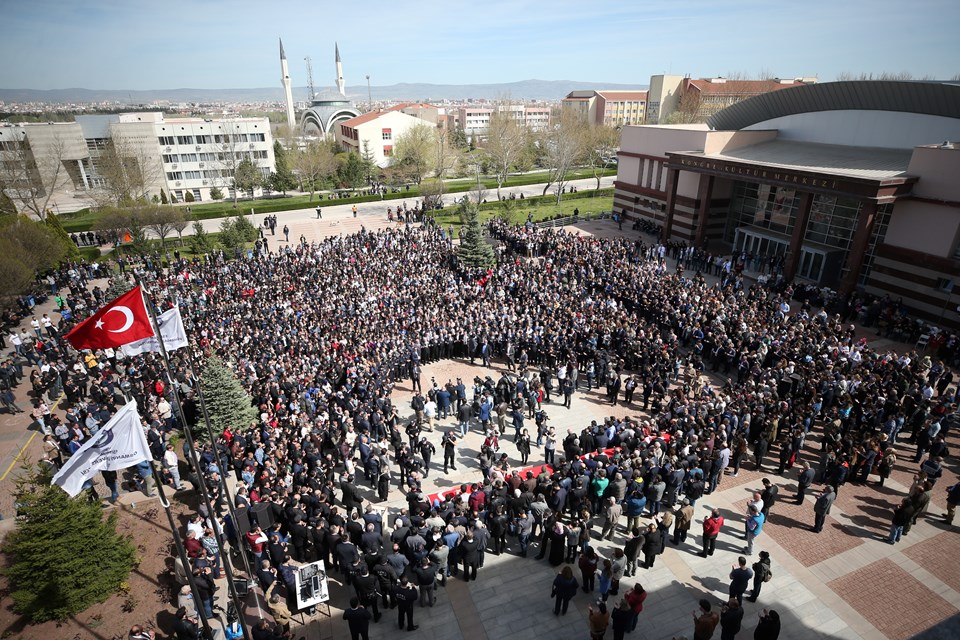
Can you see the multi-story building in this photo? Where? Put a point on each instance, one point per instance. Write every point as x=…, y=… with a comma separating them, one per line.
x=376, y=133
x=688, y=100
x=850, y=185
x=180, y=155
x=610, y=108
x=475, y=121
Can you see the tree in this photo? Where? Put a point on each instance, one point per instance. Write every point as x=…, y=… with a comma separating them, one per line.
x=188, y=196
x=201, y=242
x=179, y=224
x=65, y=555
x=32, y=171
x=506, y=143
x=126, y=170
x=415, y=149
x=282, y=179
x=459, y=139
x=369, y=160
x=236, y=231
x=163, y=196
x=116, y=224
x=445, y=159
x=163, y=221
x=562, y=147
x=71, y=250
x=215, y=194
x=474, y=250
x=600, y=144
x=312, y=164
x=27, y=247
x=227, y=402
x=247, y=177
x=351, y=169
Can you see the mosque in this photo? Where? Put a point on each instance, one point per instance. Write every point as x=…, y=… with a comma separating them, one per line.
x=326, y=109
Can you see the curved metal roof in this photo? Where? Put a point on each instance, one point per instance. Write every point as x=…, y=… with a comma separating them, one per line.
x=928, y=98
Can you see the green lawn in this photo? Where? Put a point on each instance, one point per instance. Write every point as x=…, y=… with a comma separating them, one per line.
x=542, y=208
x=84, y=219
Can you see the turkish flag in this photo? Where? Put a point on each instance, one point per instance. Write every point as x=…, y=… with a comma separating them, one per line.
x=121, y=322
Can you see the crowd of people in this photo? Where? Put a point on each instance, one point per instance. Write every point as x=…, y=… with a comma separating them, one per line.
x=714, y=374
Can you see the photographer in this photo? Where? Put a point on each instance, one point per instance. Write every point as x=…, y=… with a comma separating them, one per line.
x=187, y=627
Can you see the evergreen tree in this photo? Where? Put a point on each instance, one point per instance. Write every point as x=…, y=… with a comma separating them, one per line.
x=188, y=197
x=163, y=197
x=200, y=241
x=227, y=402
x=283, y=178
x=216, y=193
x=117, y=286
x=474, y=250
x=64, y=556
x=72, y=251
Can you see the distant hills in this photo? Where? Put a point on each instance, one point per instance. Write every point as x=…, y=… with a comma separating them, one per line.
x=522, y=90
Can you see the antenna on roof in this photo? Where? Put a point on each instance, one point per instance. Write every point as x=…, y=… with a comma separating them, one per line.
x=309, y=62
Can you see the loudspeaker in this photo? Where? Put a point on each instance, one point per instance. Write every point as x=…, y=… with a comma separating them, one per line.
x=262, y=514
x=243, y=521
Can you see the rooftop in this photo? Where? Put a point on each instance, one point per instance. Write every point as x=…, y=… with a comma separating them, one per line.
x=858, y=162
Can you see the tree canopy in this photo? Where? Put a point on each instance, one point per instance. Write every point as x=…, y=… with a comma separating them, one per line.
x=474, y=250
x=64, y=555
x=227, y=403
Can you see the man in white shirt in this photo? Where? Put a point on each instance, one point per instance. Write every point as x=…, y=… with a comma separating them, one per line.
x=35, y=325
x=430, y=411
x=172, y=464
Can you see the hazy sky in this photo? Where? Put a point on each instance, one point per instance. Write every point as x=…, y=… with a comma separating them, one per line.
x=134, y=44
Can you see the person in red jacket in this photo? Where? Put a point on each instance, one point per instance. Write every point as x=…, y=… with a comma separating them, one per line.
x=711, y=529
x=635, y=598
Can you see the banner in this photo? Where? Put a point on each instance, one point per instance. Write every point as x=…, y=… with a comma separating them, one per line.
x=170, y=323
x=121, y=443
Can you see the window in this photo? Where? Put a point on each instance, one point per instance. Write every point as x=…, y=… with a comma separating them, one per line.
x=174, y=175
x=178, y=194
x=387, y=134
x=945, y=285
x=170, y=158
x=184, y=139
x=191, y=175
x=258, y=137
x=166, y=141
x=211, y=175
x=204, y=139
x=208, y=157
x=188, y=157
x=388, y=150
x=259, y=155
x=196, y=195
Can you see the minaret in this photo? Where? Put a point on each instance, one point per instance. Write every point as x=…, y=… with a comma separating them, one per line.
x=287, y=89
x=339, y=70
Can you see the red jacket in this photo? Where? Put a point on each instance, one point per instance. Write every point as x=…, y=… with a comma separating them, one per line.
x=635, y=600
x=711, y=525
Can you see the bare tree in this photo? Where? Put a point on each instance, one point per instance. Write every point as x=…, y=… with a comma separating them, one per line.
x=230, y=153
x=127, y=172
x=505, y=145
x=179, y=225
x=163, y=221
x=30, y=177
x=562, y=147
x=313, y=163
x=600, y=143
x=445, y=158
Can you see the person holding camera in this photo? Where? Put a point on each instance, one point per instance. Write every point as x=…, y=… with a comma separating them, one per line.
x=187, y=627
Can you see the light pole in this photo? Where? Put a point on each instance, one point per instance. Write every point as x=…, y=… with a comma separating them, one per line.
x=369, y=95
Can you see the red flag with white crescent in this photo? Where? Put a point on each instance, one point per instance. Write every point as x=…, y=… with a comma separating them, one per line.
x=120, y=322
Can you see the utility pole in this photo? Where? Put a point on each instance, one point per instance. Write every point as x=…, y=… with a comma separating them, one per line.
x=369, y=94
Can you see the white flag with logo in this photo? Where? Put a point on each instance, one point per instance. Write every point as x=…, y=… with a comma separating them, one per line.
x=171, y=328
x=121, y=443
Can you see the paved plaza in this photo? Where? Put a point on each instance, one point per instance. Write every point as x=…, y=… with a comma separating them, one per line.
x=842, y=583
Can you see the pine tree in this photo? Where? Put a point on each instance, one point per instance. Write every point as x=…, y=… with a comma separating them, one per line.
x=474, y=250
x=64, y=556
x=163, y=197
x=227, y=403
x=117, y=286
x=71, y=249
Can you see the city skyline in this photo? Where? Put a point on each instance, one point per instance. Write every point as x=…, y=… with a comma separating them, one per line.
x=107, y=44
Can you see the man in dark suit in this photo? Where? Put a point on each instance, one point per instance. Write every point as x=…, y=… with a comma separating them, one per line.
x=740, y=579
x=359, y=620
x=822, y=507
x=804, y=480
x=769, y=496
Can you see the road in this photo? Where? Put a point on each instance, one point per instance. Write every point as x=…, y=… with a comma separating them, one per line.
x=338, y=218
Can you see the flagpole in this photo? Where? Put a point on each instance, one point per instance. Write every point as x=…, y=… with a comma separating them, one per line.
x=194, y=460
x=181, y=551
x=231, y=506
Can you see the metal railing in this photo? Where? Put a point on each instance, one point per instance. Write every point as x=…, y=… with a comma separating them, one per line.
x=583, y=217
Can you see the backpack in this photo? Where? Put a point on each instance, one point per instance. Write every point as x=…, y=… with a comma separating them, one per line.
x=769, y=576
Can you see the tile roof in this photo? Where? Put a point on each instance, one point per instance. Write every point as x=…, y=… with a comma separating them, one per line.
x=739, y=87
x=623, y=96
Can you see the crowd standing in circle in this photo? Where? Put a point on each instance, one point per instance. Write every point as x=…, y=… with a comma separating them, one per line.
x=320, y=333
